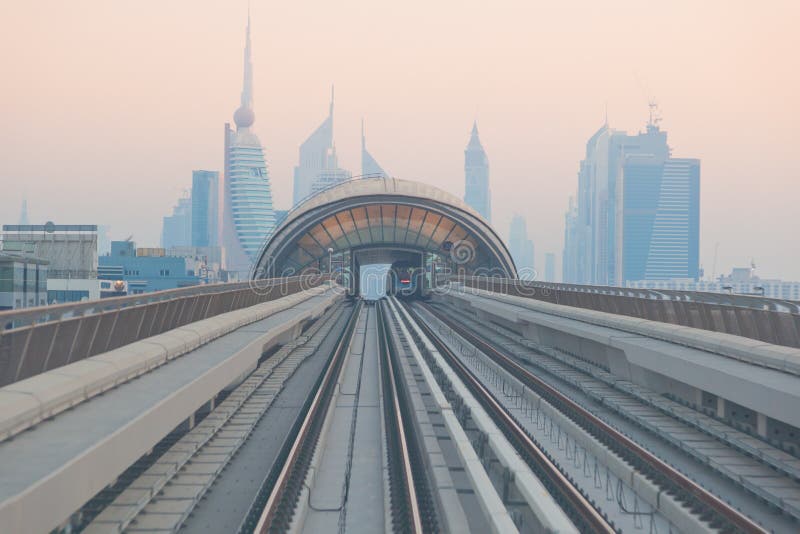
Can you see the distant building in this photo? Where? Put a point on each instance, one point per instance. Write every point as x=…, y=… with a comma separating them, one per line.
x=476, y=170
x=575, y=259
x=103, y=239
x=369, y=165
x=23, y=281
x=521, y=248
x=330, y=174
x=549, y=267
x=318, y=165
x=177, y=228
x=145, y=270
x=742, y=280
x=23, y=213
x=248, y=216
x=70, y=251
x=205, y=208
x=636, y=211
x=280, y=216
x=658, y=219
x=203, y=262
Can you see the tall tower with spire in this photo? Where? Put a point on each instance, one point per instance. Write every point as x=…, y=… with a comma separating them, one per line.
x=476, y=170
x=248, y=217
x=318, y=165
x=369, y=166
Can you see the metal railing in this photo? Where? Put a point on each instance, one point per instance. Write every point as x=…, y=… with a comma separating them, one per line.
x=36, y=340
x=758, y=318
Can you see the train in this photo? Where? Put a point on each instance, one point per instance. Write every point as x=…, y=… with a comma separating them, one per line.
x=406, y=279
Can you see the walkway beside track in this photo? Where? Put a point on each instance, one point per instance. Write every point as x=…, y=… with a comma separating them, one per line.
x=53, y=469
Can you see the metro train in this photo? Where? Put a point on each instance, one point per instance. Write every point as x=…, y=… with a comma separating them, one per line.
x=405, y=279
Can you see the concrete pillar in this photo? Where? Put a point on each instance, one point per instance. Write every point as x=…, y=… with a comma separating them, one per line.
x=761, y=425
x=720, y=407
x=190, y=422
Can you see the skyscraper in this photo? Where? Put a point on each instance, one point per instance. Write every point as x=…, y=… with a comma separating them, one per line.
x=318, y=165
x=595, y=251
x=23, y=214
x=476, y=169
x=658, y=221
x=369, y=166
x=330, y=174
x=549, y=267
x=521, y=248
x=248, y=216
x=176, y=230
x=205, y=208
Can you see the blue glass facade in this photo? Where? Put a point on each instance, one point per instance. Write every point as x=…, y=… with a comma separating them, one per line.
x=635, y=215
x=205, y=211
x=660, y=219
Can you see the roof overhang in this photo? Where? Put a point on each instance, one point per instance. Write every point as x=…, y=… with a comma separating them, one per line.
x=383, y=213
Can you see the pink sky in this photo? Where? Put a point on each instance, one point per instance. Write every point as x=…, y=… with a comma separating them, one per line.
x=107, y=106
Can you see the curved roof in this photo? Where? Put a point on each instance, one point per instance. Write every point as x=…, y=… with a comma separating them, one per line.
x=383, y=212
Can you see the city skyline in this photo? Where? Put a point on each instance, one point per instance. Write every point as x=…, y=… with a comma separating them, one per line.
x=736, y=116
x=248, y=214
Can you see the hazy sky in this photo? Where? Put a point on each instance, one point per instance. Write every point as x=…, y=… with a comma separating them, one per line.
x=107, y=106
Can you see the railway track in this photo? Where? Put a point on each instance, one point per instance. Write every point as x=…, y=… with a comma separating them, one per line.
x=405, y=483
x=759, y=470
x=273, y=507
x=189, y=465
x=581, y=511
x=720, y=514
x=410, y=504
x=403, y=353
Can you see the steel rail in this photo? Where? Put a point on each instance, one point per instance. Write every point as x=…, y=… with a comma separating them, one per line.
x=413, y=518
x=613, y=437
x=580, y=509
x=308, y=432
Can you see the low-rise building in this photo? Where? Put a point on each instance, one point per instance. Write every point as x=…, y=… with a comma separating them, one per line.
x=23, y=281
x=70, y=251
x=742, y=281
x=151, y=271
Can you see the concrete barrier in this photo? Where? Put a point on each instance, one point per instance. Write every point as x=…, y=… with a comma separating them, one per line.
x=27, y=402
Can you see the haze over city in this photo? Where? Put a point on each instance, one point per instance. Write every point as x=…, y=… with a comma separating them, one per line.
x=404, y=267
x=109, y=106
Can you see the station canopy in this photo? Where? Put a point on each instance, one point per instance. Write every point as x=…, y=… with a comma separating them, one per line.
x=383, y=214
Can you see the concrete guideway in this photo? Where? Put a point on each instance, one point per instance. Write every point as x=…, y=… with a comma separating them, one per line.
x=762, y=353
x=164, y=495
x=25, y=403
x=52, y=470
x=230, y=498
x=663, y=357
x=547, y=515
x=592, y=466
x=655, y=412
x=345, y=483
x=594, y=411
x=349, y=484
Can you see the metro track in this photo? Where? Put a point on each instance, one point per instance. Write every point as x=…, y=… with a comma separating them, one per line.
x=413, y=370
x=583, y=514
x=411, y=507
x=722, y=515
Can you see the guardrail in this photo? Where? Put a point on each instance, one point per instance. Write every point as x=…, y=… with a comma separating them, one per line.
x=39, y=339
x=764, y=323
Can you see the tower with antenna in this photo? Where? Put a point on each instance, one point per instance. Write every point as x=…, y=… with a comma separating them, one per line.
x=655, y=115
x=248, y=216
